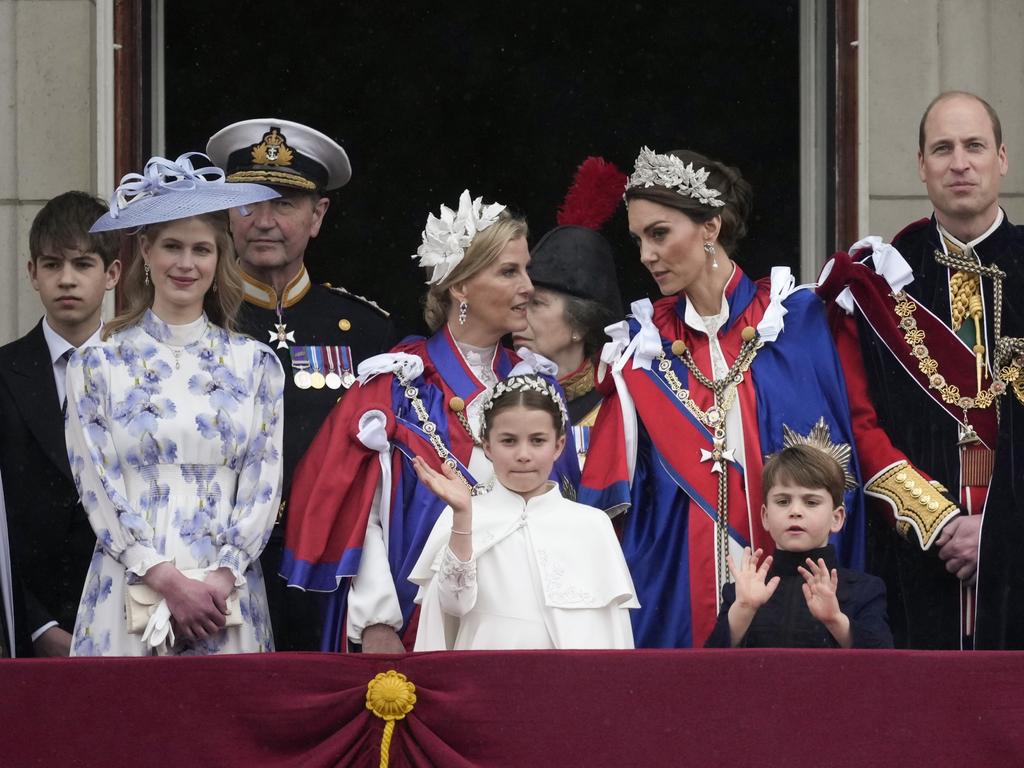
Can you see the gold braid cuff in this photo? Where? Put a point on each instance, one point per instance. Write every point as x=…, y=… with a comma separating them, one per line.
x=917, y=504
x=390, y=696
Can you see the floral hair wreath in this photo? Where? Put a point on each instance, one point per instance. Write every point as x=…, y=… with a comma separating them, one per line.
x=446, y=239
x=520, y=383
x=669, y=171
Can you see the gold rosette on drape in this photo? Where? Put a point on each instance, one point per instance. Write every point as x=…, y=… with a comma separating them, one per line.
x=390, y=696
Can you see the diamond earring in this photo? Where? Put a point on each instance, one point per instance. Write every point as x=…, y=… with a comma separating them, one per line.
x=146, y=280
x=463, y=311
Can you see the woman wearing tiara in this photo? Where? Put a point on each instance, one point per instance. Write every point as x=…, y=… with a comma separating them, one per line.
x=174, y=432
x=358, y=516
x=706, y=382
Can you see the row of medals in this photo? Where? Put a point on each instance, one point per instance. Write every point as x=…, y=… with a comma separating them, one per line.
x=332, y=379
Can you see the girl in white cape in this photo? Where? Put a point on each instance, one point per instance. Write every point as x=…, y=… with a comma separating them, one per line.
x=520, y=566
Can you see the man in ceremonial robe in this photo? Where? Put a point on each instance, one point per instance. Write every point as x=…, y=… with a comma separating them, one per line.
x=940, y=336
x=321, y=333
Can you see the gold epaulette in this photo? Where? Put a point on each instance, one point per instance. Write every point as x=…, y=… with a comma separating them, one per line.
x=917, y=503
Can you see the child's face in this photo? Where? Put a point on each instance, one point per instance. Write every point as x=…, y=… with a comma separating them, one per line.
x=523, y=446
x=800, y=519
x=71, y=285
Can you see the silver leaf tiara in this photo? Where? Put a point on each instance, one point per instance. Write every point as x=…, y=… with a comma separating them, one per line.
x=528, y=382
x=669, y=171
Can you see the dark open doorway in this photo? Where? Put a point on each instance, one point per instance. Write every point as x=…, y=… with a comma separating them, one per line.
x=505, y=99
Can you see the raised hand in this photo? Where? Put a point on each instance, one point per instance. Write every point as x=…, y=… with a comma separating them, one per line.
x=820, y=590
x=449, y=487
x=819, y=587
x=752, y=591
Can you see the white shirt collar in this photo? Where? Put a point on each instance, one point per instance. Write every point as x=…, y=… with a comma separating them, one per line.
x=979, y=239
x=59, y=345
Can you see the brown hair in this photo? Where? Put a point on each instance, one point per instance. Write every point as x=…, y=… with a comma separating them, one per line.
x=807, y=467
x=481, y=253
x=221, y=306
x=737, y=194
x=997, y=127
x=63, y=223
x=530, y=399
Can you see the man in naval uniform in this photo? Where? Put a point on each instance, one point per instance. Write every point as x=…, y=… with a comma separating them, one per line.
x=941, y=342
x=320, y=333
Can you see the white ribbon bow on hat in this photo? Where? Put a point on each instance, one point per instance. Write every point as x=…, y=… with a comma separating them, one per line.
x=162, y=175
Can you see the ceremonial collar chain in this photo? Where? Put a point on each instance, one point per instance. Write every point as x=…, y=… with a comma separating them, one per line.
x=669, y=171
x=429, y=428
x=724, y=391
x=929, y=366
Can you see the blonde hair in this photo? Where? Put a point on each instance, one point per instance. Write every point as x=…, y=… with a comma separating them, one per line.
x=482, y=252
x=221, y=306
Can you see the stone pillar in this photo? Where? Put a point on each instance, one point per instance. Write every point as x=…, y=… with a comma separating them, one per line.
x=47, y=130
x=912, y=51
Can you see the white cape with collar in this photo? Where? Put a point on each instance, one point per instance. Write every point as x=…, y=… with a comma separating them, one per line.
x=575, y=568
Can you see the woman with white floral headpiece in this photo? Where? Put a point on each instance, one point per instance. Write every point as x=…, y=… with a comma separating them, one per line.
x=703, y=384
x=174, y=430
x=358, y=517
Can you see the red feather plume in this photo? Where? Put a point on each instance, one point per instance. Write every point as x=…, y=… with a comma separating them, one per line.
x=595, y=193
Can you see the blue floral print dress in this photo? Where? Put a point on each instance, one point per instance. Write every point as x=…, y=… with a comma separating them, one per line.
x=174, y=437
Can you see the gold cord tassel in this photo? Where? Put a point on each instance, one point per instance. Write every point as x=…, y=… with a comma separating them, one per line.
x=974, y=306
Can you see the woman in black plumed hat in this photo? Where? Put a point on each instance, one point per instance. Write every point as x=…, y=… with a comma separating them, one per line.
x=576, y=292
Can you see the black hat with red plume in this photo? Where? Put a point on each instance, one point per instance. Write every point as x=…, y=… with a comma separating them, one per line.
x=574, y=257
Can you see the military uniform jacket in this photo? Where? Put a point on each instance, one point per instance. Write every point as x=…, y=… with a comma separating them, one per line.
x=313, y=316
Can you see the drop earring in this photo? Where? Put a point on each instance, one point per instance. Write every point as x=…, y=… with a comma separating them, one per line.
x=214, y=286
x=463, y=311
x=711, y=251
x=146, y=280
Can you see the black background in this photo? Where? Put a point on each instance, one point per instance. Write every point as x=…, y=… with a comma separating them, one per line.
x=505, y=99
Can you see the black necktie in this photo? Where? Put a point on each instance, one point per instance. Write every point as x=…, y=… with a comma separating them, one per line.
x=66, y=357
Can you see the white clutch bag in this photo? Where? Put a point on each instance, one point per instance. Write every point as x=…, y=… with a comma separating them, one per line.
x=140, y=601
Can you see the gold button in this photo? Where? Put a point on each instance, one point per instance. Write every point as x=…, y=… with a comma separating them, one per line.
x=916, y=492
x=328, y=285
x=344, y=324
x=933, y=506
x=901, y=477
x=925, y=499
x=909, y=485
x=457, y=404
x=678, y=347
x=748, y=333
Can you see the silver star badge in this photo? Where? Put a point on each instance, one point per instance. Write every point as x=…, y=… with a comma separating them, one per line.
x=282, y=335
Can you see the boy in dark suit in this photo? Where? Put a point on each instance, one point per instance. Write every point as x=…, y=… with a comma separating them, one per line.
x=51, y=539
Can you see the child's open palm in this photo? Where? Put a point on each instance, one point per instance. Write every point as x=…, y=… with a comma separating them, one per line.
x=820, y=590
x=449, y=487
x=752, y=591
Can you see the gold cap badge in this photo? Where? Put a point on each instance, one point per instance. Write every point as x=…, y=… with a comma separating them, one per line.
x=273, y=150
